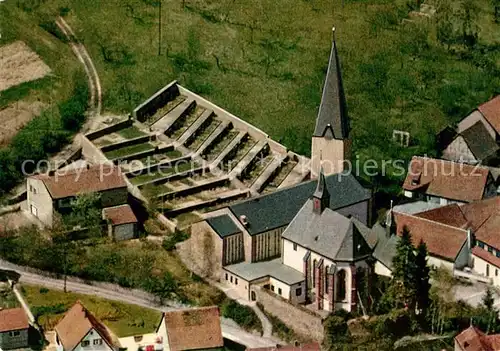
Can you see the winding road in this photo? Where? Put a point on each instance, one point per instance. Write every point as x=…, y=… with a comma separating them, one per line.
x=230, y=330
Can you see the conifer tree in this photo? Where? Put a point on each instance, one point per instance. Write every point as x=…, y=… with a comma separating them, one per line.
x=423, y=285
x=403, y=285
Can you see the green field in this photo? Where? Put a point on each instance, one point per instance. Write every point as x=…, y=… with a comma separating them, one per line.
x=265, y=60
x=123, y=319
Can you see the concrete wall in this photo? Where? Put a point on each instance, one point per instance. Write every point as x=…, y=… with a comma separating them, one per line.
x=91, y=152
x=288, y=292
x=14, y=340
x=330, y=154
x=296, y=317
x=202, y=252
x=459, y=150
x=109, y=129
x=159, y=99
x=471, y=119
x=39, y=201
x=381, y=269
x=124, y=231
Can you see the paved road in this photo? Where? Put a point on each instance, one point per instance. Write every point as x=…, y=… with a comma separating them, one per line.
x=473, y=294
x=230, y=330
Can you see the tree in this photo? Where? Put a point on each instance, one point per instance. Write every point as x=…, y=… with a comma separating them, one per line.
x=404, y=274
x=423, y=285
x=496, y=10
x=85, y=213
x=470, y=30
x=491, y=311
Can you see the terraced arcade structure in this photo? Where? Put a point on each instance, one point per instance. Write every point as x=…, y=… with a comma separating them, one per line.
x=186, y=155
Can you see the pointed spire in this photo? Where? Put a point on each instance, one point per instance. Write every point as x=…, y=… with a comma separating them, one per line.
x=332, y=120
x=321, y=197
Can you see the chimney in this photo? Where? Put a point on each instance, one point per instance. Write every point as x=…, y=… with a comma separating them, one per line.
x=244, y=220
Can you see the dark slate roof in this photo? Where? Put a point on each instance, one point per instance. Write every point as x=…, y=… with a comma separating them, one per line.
x=332, y=120
x=223, y=225
x=386, y=250
x=277, y=209
x=329, y=234
x=479, y=141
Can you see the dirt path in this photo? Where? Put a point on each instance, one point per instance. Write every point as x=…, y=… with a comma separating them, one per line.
x=83, y=56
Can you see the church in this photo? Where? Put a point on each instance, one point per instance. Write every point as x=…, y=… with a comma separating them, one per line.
x=310, y=243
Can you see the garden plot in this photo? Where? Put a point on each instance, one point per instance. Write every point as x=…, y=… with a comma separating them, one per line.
x=215, y=150
x=169, y=106
x=121, y=135
x=235, y=156
x=130, y=150
x=256, y=168
x=203, y=133
x=183, y=123
x=163, y=172
x=200, y=196
x=15, y=116
x=20, y=64
x=280, y=176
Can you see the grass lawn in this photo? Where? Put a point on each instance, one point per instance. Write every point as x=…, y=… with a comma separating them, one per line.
x=123, y=319
x=129, y=150
x=265, y=61
x=131, y=132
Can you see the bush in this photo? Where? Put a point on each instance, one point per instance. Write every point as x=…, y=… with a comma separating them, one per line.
x=335, y=329
x=170, y=241
x=39, y=311
x=244, y=316
x=50, y=26
x=44, y=290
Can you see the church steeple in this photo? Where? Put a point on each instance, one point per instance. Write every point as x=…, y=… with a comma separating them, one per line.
x=332, y=121
x=321, y=197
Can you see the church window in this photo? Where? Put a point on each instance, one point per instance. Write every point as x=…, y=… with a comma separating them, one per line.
x=341, y=285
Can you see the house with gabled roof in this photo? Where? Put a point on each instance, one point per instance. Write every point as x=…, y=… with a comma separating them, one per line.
x=48, y=194
x=445, y=182
x=79, y=330
x=473, y=339
x=476, y=137
x=14, y=329
x=191, y=329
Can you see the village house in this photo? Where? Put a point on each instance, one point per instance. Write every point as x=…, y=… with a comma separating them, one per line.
x=14, y=329
x=79, y=330
x=476, y=137
x=48, y=194
x=445, y=182
x=191, y=329
x=473, y=339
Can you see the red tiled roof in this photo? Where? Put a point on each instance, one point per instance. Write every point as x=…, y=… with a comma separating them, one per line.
x=488, y=232
x=487, y=256
x=472, y=339
x=76, y=323
x=83, y=180
x=491, y=111
x=192, y=329
x=450, y=215
x=120, y=215
x=306, y=347
x=451, y=180
x=479, y=211
x=442, y=240
x=13, y=319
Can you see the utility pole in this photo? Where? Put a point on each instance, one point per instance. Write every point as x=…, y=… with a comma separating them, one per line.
x=65, y=248
x=159, y=27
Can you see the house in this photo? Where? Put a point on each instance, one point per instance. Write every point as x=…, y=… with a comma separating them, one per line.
x=191, y=329
x=473, y=339
x=476, y=138
x=314, y=346
x=79, y=330
x=14, y=329
x=445, y=182
x=48, y=194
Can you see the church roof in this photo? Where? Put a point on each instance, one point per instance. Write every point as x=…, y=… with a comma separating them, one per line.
x=329, y=234
x=278, y=209
x=332, y=120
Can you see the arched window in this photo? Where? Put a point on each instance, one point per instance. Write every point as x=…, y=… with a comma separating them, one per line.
x=341, y=285
x=314, y=272
x=327, y=269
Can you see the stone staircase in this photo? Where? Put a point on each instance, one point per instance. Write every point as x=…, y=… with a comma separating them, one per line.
x=166, y=122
